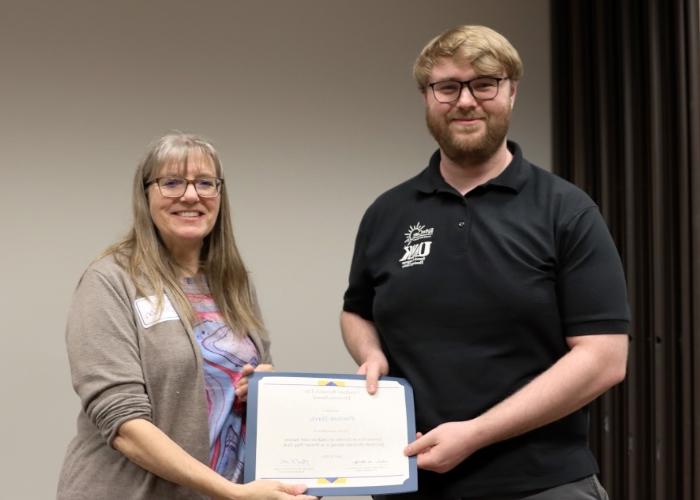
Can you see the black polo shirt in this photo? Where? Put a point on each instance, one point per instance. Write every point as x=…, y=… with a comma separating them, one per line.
x=473, y=296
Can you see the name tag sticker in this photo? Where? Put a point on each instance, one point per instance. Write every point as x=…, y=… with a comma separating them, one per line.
x=147, y=310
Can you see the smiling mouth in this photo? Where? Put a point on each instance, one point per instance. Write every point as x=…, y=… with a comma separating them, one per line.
x=465, y=123
x=188, y=213
x=469, y=119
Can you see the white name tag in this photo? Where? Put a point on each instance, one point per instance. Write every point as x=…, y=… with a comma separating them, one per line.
x=147, y=311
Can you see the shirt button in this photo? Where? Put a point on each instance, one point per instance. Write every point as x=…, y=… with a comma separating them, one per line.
x=460, y=223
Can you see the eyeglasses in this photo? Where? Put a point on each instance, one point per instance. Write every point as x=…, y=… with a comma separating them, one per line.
x=175, y=187
x=483, y=88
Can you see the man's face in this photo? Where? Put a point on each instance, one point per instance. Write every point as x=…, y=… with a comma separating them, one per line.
x=468, y=129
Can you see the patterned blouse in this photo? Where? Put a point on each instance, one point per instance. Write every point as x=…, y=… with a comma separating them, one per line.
x=224, y=353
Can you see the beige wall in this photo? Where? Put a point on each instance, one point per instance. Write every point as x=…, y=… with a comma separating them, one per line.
x=314, y=112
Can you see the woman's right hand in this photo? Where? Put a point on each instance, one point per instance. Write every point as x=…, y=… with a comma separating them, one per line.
x=247, y=370
x=273, y=490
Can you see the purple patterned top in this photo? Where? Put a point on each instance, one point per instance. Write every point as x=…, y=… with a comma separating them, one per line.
x=224, y=353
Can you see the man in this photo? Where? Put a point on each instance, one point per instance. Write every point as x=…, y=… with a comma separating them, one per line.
x=494, y=287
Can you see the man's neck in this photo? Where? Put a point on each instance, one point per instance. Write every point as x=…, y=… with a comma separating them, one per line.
x=466, y=175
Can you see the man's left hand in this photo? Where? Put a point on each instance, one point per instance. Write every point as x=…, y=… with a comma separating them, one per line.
x=444, y=447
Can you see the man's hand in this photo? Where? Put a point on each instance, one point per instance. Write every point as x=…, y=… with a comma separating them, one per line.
x=362, y=340
x=444, y=447
x=593, y=364
x=373, y=368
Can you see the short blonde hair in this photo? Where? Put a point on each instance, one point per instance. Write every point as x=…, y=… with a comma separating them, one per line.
x=486, y=50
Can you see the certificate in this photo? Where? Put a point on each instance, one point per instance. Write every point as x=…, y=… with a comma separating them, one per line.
x=327, y=432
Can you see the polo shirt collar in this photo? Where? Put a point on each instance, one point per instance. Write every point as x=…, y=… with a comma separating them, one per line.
x=513, y=178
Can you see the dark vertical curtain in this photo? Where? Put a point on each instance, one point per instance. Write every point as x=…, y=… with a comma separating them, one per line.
x=626, y=83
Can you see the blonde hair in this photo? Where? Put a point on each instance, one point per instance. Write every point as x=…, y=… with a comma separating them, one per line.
x=149, y=263
x=486, y=50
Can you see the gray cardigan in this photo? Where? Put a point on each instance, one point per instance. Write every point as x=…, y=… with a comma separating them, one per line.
x=125, y=365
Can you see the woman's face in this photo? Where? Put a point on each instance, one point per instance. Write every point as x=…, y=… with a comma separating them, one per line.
x=183, y=222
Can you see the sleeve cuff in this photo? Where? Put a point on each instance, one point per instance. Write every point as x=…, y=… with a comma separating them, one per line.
x=598, y=328
x=359, y=307
x=110, y=413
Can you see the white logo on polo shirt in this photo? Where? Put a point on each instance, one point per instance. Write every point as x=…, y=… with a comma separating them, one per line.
x=415, y=253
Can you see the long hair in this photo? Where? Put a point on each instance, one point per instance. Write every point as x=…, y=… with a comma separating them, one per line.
x=149, y=263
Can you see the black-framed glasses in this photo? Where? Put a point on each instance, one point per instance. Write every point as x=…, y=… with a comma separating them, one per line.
x=482, y=88
x=175, y=187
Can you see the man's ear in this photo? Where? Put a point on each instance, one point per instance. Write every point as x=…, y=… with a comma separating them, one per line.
x=513, y=92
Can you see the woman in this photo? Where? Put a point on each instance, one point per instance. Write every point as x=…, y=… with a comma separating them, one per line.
x=163, y=330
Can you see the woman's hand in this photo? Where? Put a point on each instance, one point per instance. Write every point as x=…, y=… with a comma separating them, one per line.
x=246, y=371
x=147, y=446
x=273, y=490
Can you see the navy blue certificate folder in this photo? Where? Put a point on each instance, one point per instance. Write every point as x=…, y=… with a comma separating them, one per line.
x=325, y=431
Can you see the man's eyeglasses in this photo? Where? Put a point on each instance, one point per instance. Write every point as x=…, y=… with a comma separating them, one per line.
x=483, y=88
x=175, y=187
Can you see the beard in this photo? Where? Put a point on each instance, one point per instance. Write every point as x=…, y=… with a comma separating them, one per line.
x=461, y=147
